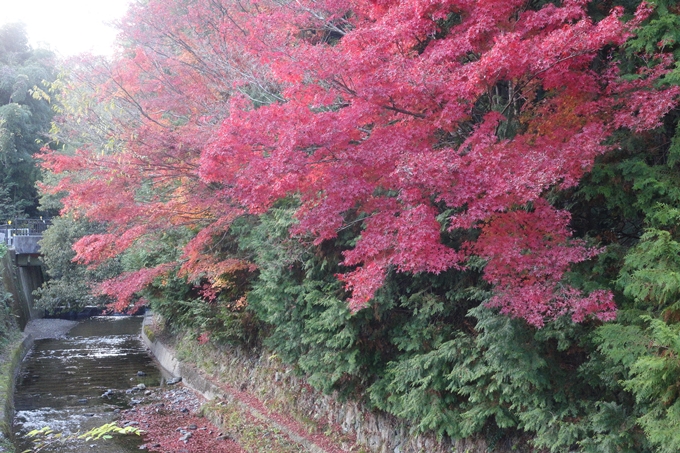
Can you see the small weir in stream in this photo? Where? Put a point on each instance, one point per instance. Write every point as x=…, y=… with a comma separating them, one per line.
x=62, y=382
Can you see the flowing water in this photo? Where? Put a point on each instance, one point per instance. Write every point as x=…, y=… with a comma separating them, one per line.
x=62, y=382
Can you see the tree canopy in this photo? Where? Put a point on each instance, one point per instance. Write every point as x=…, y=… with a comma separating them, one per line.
x=425, y=124
x=25, y=117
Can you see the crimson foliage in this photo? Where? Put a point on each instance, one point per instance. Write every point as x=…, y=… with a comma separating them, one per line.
x=410, y=117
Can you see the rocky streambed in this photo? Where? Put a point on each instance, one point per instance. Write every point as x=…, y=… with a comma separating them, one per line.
x=82, y=375
x=83, y=380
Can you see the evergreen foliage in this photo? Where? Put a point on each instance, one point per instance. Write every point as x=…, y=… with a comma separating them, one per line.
x=298, y=297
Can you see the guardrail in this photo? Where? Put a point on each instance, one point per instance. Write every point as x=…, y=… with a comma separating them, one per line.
x=22, y=227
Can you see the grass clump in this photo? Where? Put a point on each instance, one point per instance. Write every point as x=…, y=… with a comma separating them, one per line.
x=150, y=334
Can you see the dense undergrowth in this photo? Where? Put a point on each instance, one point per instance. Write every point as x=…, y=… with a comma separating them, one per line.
x=8, y=325
x=8, y=362
x=10, y=341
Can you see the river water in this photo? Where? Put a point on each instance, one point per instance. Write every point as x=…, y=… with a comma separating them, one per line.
x=62, y=382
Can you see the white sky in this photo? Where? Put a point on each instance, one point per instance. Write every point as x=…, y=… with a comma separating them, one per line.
x=68, y=27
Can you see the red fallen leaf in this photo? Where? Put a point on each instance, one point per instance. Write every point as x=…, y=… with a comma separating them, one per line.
x=165, y=426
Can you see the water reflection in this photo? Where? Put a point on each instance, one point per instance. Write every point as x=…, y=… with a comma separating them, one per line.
x=62, y=382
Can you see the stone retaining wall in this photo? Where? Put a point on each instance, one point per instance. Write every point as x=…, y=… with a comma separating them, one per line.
x=278, y=387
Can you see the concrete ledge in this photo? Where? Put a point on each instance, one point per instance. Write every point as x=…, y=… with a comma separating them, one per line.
x=19, y=351
x=27, y=245
x=166, y=357
x=191, y=377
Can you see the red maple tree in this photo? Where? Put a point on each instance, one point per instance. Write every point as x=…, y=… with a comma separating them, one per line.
x=482, y=106
x=395, y=111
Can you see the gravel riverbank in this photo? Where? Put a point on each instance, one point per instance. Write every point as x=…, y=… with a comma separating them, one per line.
x=41, y=329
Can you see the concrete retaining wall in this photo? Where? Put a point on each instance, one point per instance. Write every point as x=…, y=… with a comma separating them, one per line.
x=20, y=282
x=166, y=358
x=9, y=373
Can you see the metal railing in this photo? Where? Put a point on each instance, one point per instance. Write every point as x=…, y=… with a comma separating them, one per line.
x=22, y=227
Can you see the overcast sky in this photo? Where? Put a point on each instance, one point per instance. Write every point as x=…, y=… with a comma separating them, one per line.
x=68, y=27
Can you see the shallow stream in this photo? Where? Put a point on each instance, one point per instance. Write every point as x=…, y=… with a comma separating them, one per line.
x=62, y=382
